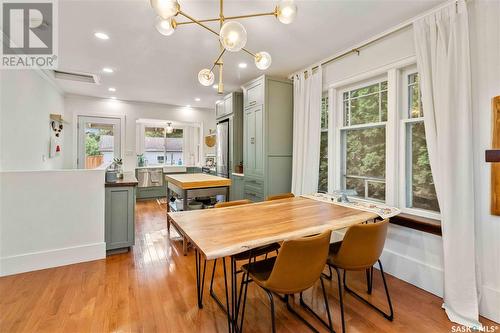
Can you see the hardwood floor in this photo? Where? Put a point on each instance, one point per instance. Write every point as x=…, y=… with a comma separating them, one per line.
x=152, y=289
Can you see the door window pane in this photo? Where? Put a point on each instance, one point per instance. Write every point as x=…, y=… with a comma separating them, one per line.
x=99, y=144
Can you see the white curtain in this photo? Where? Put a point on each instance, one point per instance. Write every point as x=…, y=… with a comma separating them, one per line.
x=307, y=92
x=442, y=49
x=191, y=142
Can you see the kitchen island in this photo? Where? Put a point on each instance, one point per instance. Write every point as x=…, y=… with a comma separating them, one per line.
x=189, y=186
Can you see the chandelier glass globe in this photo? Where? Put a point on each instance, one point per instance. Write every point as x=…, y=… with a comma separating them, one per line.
x=206, y=77
x=165, y=8
x=286, y=11
x=233, y=36
x=164, y=27
x=263, y=60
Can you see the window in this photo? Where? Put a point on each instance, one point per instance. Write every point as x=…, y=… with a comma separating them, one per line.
x=363, y=140
x=161, y=147
x=420, y=191
x=323, y=148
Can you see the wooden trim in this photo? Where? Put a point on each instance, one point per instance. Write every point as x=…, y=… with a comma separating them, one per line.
x=495, y=154
x=418, y=223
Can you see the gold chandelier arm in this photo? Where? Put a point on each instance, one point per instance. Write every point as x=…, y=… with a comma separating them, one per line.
x=201, y=21
x=250, y=53
x=229, y=18
x=250, y=15
x=197, y=22
x=216, y=62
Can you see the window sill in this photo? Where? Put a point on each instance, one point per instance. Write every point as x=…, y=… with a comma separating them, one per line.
x=424, y=224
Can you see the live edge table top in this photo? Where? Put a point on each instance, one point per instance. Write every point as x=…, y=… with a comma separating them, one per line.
x=190, y=181
x=227, y=231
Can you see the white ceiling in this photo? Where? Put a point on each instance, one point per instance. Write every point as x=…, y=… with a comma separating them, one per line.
x=155, y=68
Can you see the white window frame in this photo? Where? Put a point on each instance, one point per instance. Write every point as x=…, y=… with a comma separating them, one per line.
x=404, y=149
x=395, y=130
x=343, y=129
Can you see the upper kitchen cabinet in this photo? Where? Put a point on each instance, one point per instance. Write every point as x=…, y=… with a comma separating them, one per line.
x=267, y=137
x=228, y=105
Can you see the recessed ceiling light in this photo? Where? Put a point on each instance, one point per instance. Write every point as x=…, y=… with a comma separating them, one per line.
x=112, y=89
x=197, y=99
x=107, y=70
x=188, y=106
x=101, y=35
x=242, y=65
x=113, y=97
x=215, y=86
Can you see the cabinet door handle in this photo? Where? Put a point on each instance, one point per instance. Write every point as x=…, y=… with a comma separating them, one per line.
x=252, y=140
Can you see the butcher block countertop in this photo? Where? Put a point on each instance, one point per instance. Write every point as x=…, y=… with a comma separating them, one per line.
x=197, y=180
x=127, y=180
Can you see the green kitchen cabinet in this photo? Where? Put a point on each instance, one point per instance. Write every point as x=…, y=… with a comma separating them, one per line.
x=267, y=137
x=230, y=109
x=237, y=187
x=119, y=217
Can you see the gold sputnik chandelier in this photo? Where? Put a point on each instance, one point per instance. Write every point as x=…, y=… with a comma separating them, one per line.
x=232, y=34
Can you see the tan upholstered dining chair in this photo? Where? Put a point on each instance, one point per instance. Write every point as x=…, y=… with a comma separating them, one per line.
x=359, y=251
x=297, y=268
x=280, y=196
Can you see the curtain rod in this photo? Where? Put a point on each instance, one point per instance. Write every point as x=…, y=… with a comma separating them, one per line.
x=374, y=39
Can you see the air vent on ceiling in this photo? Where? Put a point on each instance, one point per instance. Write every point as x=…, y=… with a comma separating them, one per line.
x=79, y=77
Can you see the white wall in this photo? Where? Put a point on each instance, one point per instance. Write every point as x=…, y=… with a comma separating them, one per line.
x=27, y=98
x=82, y=105
x=414, y=256
x=50, y=218
x=485, y=60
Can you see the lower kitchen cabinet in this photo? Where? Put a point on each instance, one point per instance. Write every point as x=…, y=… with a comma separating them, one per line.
x=151, y=192
x=120, y=217
x=237, y=186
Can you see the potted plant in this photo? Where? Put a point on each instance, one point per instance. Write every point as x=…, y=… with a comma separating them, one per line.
x=118, y=166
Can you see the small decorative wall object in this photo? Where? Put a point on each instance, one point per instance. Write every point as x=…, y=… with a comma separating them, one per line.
x=493, y=156
x=210, y=139
x=56, y=127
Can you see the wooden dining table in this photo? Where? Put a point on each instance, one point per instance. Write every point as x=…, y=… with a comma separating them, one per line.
x=225, y=232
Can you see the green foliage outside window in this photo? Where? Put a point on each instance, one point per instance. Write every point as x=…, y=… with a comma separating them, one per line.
x=92, y=145
x=323, y=148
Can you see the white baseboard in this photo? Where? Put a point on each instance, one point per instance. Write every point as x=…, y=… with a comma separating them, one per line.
x=489, y=305
x=51, y=258
x=420, y=274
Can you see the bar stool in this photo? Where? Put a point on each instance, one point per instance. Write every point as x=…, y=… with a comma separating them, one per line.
x=360, y=250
